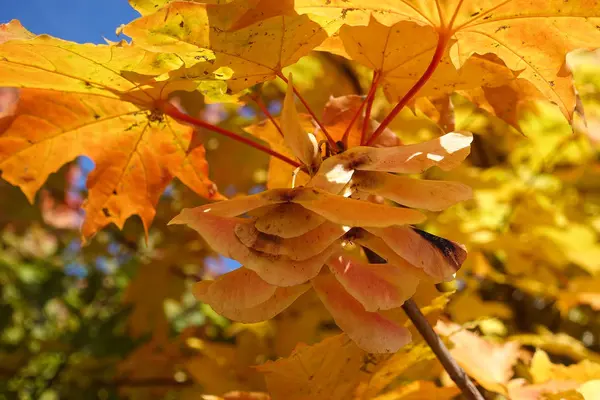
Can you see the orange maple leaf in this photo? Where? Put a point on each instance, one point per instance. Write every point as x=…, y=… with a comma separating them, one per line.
x=83, y=100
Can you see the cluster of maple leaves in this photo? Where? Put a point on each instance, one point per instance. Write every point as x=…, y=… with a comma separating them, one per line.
x=332, y=178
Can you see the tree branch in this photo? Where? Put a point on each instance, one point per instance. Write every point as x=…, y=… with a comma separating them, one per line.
x=457, y=374
x=440, y=350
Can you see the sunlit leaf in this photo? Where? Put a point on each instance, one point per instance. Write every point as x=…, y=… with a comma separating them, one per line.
x=525, y=35
x=243, y=57
x=79, y=99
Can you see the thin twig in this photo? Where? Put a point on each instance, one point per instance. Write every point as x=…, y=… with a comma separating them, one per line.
x=457, y=374
x=312, y=114
x=265, y=111
x=358, y=112
x=411, y=309
x=173, y=112
x=351, y=124
x=370, y=98
x=435, y=61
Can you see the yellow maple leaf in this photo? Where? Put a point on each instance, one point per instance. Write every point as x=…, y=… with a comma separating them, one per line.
x=80, y=100
x=528, y=36
x=235, y=9
x=401, y=60
x=145, y=7
x=391, y=370
x=336, y=369
x=328, y=370
x=244, y=57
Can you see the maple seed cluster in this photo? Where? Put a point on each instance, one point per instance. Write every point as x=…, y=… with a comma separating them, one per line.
x=284, y=237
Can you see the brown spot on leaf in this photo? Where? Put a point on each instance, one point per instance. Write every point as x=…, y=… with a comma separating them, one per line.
x=287, y=195
x=452, y=252
x=354, y=161
x=156, y=116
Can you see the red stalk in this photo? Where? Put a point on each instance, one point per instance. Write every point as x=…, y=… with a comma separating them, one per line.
x=351, y=124
x=370, y=99
x=435, y=61
x=265, y=111
x=173, y=112
x=349, y=128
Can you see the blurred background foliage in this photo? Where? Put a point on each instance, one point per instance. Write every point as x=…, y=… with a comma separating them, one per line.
x=115, y=319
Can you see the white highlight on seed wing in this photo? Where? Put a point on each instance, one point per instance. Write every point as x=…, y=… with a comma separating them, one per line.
x=434, y=157
x=339, y=174
x=418, y=153
x=455, y=141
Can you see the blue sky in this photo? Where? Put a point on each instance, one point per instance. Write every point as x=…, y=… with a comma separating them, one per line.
x=77, y=20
